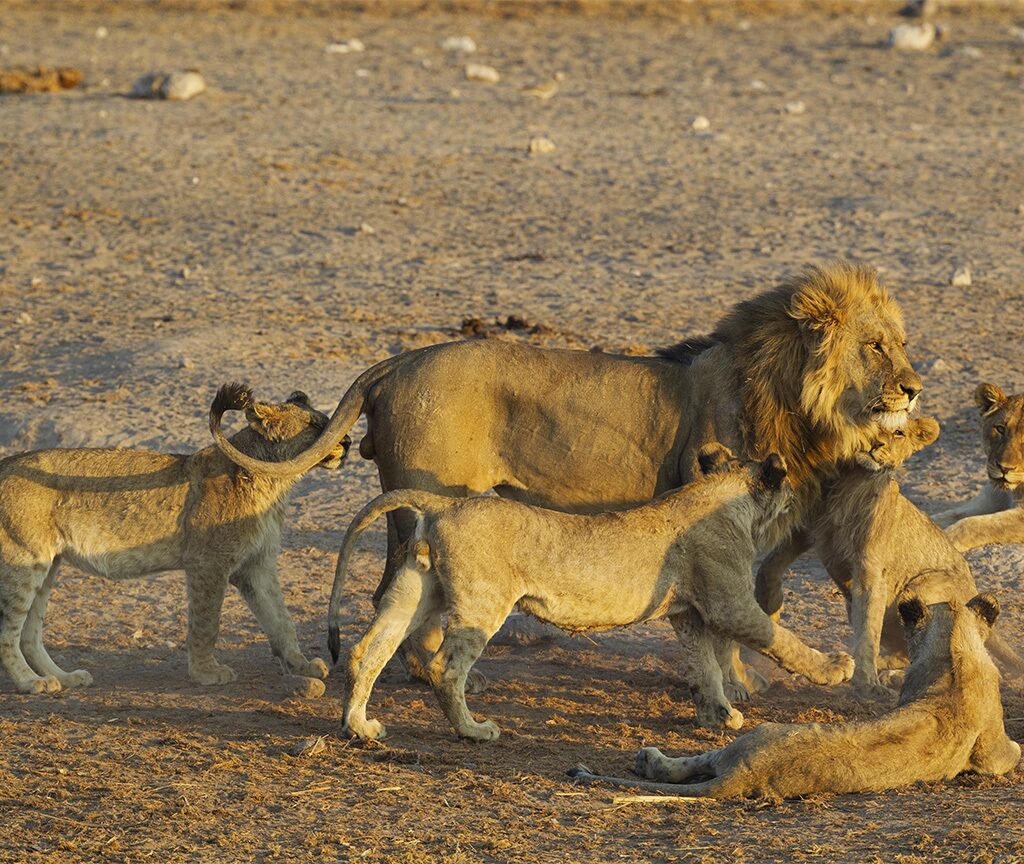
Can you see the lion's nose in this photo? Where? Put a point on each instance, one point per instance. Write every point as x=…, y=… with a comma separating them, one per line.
x=1004, y=469
x=911, y=390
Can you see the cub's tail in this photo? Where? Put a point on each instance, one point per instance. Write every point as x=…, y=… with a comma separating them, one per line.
x=408, y=499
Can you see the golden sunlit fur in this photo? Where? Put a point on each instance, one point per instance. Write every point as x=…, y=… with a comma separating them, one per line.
x=129, y=513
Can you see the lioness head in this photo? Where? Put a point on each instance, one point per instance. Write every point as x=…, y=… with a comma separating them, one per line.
x=282, y=429
x=1002, y=433
x=891, y=448
x=858, y=370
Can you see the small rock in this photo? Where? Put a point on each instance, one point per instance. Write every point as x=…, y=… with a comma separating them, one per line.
x=461, y=44
x=970, y=52
x=455, y=93
x=366, y=228
x=480, y=72
x=176, y=86
x=797, y=107
x=961, y=277
x=700, y=123
x=912, y=37
x=939, y=365
x=362, y=73
x=308, y=746
x=540, y=145
x=758, y=86
x=102, y=32
x=347, y=46
x=35, y=281
x=919, y=9
x=186, y=363
x=543, y=91
x=138, y=634
x=24, y=318
x=1017, y=33
x=304, y=688
x=186, y=272
x=1020, y=209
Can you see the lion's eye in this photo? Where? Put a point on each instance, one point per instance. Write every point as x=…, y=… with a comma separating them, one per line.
x=875, y=346
x=899, y=433
x=1000, y=429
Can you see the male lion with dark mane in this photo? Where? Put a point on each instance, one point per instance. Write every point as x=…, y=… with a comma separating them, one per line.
x=808, y=370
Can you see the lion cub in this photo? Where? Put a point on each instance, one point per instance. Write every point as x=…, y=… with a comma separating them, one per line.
x=877, y=545
x=996, y=513
x=949, y=720
x=686, y=555
x=128, y=513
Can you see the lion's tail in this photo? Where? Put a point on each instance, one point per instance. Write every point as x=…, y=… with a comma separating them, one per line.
x=1008, y=659
x=408, y=499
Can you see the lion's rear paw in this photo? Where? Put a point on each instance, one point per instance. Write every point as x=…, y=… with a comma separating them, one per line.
x=366, y=730
x=647, y=761
x=486, y=731
x=78, y=678
x=304, y=688
x=43, y=684
x=315, y=668
x=736, y=691
x=214, y=674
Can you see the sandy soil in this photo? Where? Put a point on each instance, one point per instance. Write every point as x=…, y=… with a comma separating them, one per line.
x=153, y=250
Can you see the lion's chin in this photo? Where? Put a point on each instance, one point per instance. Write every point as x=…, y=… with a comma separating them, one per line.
x=891, y=420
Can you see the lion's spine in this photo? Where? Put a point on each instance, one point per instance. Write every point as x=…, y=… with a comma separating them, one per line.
x=399, y=499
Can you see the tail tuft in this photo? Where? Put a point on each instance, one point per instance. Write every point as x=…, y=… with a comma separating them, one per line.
x=231, y=397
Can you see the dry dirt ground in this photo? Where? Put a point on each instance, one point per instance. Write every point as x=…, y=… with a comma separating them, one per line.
x=153, y=250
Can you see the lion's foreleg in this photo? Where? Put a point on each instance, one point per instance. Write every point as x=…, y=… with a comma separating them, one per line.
x=974, y=531
x=988, y=500
x=768, y=582
x=867, y=613
x=257, y=581
x=703, y=672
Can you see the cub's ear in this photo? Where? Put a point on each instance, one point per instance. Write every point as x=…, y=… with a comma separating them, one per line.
x=298, y=398
x=985, y=606
x=913, y=612
x=924, y=431
x=773, y=471
x=988, y=398
x=714, y=458
x=262, y=417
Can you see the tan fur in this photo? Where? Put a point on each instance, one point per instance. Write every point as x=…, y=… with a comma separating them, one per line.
x=794, y=370
x=949, y=720
x=128, y=513
x=686, y=556
x=996, y=513
x=877, y=545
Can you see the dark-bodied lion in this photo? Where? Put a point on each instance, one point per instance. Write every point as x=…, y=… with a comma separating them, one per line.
x=807, y=370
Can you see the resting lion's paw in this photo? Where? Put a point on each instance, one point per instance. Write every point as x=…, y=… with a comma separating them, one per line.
x=214, y=674
x=78, y=678
x=647, y=760
x=838, y=668
x=304, y=688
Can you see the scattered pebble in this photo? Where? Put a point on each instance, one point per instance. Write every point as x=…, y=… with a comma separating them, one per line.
x=36, y=281
x=348, y=46
x=362, y=73
x=540, y=145
x=970, y=52
x=138, y=634
x=797, y=107
x=758, y=85
x=308, y=746
x=41, y=79
x=176, y=86
x=912, y=37
x=186, y=363
x=461, y=44
x=455, y=93
x=700, y=123
x=24, y=318
x=102, y=33
x=961, y=277
x=366, y=228
x=480, y=72
x=543, y=91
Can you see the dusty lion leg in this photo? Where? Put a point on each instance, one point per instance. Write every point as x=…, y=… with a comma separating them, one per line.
x=703, y=673
x=768, y=582
x=460, y=649
x=867, y=612
x=259, y=586
x=18, y=587
x=655, y=765
x=411, y=598
x=206, y=588
x=32, y=640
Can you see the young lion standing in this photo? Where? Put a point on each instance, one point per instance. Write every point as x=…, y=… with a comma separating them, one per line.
x=128, y=513
x=686, y=556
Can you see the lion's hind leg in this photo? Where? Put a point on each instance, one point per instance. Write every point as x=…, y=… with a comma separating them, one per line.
x=703, y=672
x=655, y=765
x=412, y=597
x=18, y=588
x=32, y=639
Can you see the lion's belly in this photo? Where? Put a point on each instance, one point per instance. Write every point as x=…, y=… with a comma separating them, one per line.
x=588, y=608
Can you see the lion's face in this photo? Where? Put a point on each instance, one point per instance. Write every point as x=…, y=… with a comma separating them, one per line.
x=1002, y=433
x=891, y=448
x=292, y=427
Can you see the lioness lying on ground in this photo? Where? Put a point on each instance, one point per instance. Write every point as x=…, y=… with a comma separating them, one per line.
x=877, y=545
x=949, y=720
x=687, y=555
x=996, y=513
x=128, y=513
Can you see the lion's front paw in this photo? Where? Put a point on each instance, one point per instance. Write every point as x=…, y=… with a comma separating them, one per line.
x=719, y=716
x=43, y=684
x=647, y=763
x=837, y=668
x=304, y=688
x=78, y=678
x=365, y=730
x=476, y=682
x=212, y=674
x=486, y=731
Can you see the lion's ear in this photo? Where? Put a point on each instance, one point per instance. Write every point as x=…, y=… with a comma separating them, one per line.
x=924, y=431
x=262, y=418
x=985, y=606
x=988, y=398
x=715, y=457
x=773, y=471
x=913, y=612
x=815, y=309
x=298, y=398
